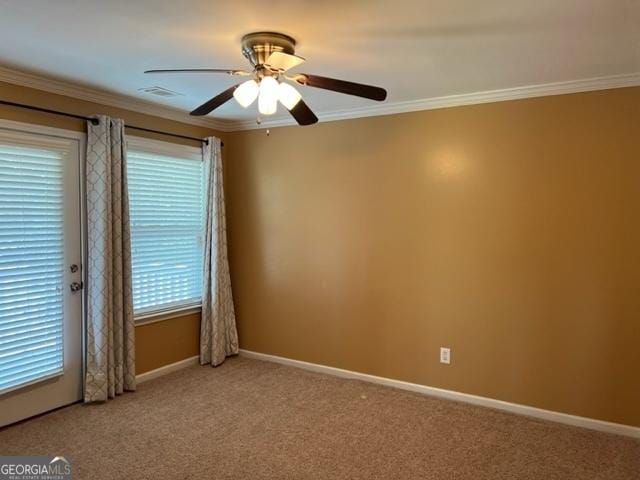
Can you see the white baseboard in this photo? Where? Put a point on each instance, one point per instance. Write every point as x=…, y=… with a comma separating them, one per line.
x=558, y=417
x=172, y=367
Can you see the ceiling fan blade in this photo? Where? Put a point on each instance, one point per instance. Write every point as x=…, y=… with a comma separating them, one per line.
x=283, y=61
x=303, y=114
x=342, y=86
x=215, y=102
x=200, y=70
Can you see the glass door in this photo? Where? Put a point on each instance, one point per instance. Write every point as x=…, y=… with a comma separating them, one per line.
x=40, y=273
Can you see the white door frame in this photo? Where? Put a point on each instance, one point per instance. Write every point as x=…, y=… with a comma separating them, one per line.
x=79, y=140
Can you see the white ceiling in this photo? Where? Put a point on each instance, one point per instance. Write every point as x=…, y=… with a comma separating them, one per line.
x=415, y=49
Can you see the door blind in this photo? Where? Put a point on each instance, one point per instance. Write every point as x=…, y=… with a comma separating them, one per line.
x=31, y=264
x=167, y=210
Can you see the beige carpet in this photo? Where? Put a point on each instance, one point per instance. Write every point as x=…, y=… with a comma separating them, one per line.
x=253, y=420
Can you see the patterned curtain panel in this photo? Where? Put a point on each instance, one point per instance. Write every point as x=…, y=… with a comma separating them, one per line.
x=110, y=355
x=218, y=334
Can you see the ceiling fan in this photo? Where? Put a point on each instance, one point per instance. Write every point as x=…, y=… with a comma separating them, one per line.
x=271, y=55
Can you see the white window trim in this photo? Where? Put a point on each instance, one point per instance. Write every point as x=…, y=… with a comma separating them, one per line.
x=167, y=314
x=23, y=127
x=159, y=147
x=163, y=148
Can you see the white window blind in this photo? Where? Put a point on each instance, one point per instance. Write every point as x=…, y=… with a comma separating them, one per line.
x=166, y=196
x=31, y=264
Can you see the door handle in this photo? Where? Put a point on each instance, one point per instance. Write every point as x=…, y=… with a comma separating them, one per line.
x=76, y=286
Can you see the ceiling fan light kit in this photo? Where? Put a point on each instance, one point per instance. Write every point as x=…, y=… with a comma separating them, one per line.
x=246, y=93
x=288, y=96
x=268, y=96
x=272, y=54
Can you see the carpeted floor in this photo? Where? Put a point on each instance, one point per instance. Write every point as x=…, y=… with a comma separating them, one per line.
x=255, y=420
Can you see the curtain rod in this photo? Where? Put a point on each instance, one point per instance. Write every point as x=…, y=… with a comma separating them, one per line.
x=95, y=121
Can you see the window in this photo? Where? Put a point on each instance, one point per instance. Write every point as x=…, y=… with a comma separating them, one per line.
x=166, y=197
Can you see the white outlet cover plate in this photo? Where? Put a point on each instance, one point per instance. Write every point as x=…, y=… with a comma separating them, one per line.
x=445, y=355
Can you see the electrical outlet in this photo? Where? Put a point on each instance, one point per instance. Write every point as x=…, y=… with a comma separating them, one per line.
x=445, y=355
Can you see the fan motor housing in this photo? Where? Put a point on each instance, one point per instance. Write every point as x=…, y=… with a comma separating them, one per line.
x=257, y=46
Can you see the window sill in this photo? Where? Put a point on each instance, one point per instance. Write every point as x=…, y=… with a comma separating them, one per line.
x=154, y=317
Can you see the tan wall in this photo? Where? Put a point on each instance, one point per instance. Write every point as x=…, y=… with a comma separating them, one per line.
x=160, y=343
x=509, y=232
x=169, y=341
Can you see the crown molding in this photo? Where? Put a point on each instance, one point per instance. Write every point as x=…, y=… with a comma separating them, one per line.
x=82, y=92
x=103, y=97
x=490, y=96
